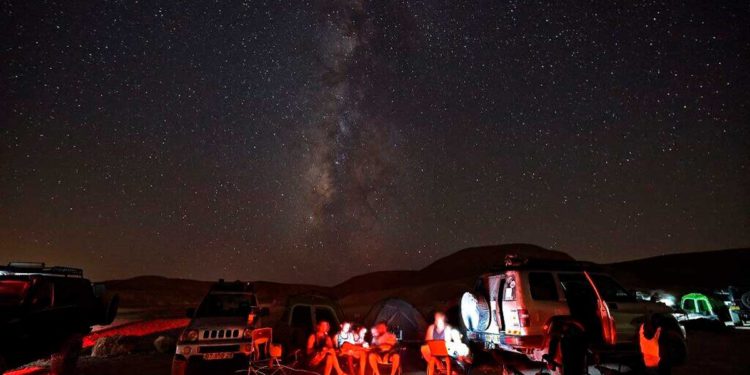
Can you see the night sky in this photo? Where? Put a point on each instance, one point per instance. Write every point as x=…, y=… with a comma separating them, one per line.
x=312, y=141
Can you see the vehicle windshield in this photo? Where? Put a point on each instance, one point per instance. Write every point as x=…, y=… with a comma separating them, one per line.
x=226, y=304
x=12, y=292
x=610, y=290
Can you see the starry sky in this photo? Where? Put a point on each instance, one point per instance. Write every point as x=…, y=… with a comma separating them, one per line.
x=309, y=141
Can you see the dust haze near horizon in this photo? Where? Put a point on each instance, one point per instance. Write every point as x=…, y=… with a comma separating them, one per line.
x=313, y=141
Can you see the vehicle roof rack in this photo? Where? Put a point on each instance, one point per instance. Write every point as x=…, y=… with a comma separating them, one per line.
x=516, y=262
x=38, y=268
x=233, y=286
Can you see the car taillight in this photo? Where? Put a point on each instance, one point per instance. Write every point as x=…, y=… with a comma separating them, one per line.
x=523, y=317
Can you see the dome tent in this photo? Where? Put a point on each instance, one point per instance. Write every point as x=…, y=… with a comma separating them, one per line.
x=402, y=318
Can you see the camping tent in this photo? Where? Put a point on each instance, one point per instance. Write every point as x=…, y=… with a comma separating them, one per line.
x=401, y=317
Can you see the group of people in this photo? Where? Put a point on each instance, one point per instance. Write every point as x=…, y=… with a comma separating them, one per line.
x=323, y=351
x=352, y=344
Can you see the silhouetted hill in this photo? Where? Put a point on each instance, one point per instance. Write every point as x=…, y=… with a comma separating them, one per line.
x=443, y=280
x=469, y=262
x=707, y=269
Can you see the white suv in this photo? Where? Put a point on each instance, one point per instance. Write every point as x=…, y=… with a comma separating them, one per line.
x=525, y=305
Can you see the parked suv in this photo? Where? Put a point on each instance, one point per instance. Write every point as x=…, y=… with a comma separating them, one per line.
x=301, y=315
x=46, y=311
x=219, y=335
x=526, y=306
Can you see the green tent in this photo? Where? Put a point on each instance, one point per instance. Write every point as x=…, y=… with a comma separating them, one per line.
x=697, y=303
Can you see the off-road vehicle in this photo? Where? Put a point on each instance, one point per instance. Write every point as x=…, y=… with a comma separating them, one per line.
x=536, y=308
x=218, y=338
x=301, y=315
x=47, y=310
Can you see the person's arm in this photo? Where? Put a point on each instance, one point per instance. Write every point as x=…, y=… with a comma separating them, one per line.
x=336, y=340
x=310, y=345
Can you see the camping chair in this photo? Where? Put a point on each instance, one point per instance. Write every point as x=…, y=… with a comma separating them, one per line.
x=439, y=352
x=389, y=364
x=263, y=348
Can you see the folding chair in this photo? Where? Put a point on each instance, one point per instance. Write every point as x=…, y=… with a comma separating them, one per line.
x=439, y=351
x=389, y=364
x=263, y=348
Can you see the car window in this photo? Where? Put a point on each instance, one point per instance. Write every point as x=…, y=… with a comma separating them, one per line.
x=689, y=305
x=226, y=304
x=542, y=286
x=12, y=292
x=42, y=294
x=609, y=289
x=575, y=286
x=325, y=313
x=509, y=291
x=71, y=291
x=301, y=317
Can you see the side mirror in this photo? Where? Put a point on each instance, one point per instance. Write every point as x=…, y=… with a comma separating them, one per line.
x=264, y=311
x=190, y=312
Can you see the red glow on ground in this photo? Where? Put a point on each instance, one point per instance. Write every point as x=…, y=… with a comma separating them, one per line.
x=142, y=328
x=26, y=371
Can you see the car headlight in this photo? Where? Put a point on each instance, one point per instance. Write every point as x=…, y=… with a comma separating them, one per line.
x=189, y=335
x=247, y=333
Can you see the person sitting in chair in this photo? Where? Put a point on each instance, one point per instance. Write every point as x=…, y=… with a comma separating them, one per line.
x=346, y=342
x=383, y=345
x=320, y=350
x=441, y=331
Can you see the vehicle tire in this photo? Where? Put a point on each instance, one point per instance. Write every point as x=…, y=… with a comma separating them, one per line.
x=672, y=347
x=475, y=312
x=745, y=300
x=111, y=311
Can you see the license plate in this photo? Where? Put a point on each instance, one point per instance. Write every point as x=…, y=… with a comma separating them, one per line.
x=217, y=356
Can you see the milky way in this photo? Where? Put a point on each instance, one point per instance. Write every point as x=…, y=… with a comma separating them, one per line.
x=311, y=141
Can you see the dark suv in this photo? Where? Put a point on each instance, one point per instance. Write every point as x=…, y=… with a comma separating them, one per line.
x=218, y=338
x=47, y=311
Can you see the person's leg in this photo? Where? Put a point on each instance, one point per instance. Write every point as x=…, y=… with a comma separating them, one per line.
x=373, y=359
x=431, y=366
x=350, y=363
x=329, y=365
x=362, y=362
x=425, y=349
x=336, y=365
x=395, y=362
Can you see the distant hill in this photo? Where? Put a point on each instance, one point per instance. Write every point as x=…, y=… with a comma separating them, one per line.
x=162, y=292
x=469, y=262
x=440, y=283
x=701, y=270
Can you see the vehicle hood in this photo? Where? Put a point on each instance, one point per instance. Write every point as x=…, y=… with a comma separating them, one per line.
x=217, y=322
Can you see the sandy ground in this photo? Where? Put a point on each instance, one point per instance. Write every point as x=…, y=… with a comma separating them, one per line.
x=709, y=353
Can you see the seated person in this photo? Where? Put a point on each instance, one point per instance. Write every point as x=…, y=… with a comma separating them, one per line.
x=345, y=335
x=383, y=343
x=346, y=342
x=320, y=351
x=360, y=337
x=440, y=330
